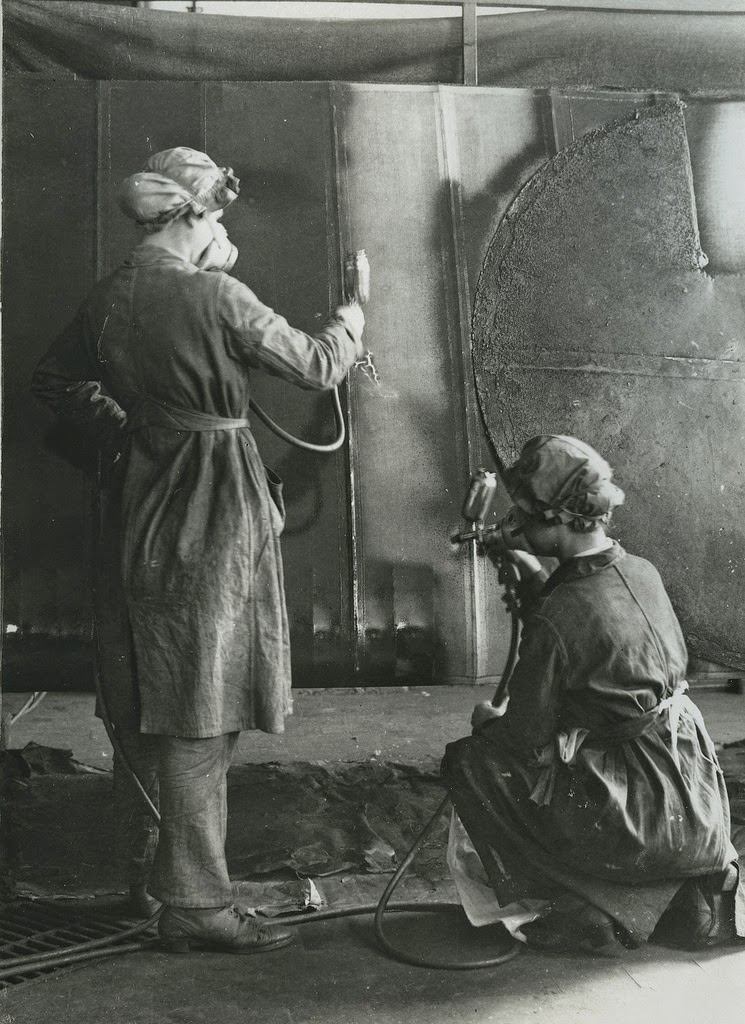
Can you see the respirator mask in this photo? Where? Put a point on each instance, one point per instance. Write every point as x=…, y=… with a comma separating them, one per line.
x=220, y=254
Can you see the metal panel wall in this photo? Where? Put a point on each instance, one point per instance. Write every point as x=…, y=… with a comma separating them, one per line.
x=409, y=426
x=136, y=119
x=48, y=262
x=278, y=137
x=425, y=174
x=418, y=176
x=494, y=140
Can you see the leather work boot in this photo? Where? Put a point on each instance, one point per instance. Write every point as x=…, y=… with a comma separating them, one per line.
x=225, y=929
x=574, y=926
x=701, y=914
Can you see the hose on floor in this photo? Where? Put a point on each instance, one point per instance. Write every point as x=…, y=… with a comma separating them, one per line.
x=412, y=958
x=78, y=953
x=509, y=577
x=122, y=942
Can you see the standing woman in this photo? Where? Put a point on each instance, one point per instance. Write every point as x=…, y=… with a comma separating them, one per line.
x=191, y=621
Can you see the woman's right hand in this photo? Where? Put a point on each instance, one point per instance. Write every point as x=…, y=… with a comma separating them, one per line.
x=496, y=549
x=351, y=313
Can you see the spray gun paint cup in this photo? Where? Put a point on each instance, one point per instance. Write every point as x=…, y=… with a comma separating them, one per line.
x=357, y=277
x=478, y=500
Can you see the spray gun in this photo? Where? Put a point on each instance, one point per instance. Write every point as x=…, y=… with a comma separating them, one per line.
x=357, y=289
x=498, y=539
x=501, y=536
x=357, y=277
x=478, y=501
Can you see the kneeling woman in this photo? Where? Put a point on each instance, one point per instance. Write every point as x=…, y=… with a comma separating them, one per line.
x=598, y=792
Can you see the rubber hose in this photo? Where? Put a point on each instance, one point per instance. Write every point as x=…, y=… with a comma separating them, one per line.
x=307, y=446
x=111, y=944
x=83, y=950
x=410, y=958
x=73, y=958
x=122, y=758
x=311, y=917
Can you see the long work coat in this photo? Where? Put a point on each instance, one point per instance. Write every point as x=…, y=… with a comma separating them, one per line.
x=191, y=618
x=601, y=778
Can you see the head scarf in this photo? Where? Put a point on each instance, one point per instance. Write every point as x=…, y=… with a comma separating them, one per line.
x=563, y=480
x=174, y=182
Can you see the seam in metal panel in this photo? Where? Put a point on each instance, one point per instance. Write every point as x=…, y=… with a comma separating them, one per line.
x=469, y=22
x=345, y=474
x=460, y=355
x=101, y=261
x=203, y=114
x=338, y=95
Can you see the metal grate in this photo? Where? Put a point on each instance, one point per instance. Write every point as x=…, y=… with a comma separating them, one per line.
x=30, y=928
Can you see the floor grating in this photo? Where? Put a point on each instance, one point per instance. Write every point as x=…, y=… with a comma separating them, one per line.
x=29, y=928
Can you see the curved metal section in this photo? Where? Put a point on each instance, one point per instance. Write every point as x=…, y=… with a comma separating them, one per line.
x=594, y=317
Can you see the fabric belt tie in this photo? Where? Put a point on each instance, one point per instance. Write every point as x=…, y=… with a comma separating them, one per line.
x=152, y=413
x=674, y=705
x=567, y=745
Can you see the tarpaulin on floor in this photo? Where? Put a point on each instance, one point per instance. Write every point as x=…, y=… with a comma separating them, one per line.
x=692, y=54
x=306, y=819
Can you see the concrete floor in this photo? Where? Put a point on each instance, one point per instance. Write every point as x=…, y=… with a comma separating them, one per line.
x=334, y=972
x=410, y=725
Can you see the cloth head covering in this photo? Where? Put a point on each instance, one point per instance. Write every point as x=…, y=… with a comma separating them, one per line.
x=173, y=182
x=562, y=479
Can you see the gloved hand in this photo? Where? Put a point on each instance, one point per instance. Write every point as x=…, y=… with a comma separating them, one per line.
x=353, y=317
x=527, y=564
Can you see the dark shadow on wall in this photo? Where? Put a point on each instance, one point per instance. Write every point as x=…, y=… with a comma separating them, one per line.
x=483, y=212
x=302, y=471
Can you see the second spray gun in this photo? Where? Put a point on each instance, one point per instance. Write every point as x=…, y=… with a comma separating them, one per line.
x=476, y=507
x=497, y=539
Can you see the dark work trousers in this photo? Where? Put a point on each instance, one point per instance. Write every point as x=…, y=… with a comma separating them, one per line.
x=183, y=862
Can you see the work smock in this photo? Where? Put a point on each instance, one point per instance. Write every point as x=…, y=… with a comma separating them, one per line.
x=192, y=626
x=600, y=779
